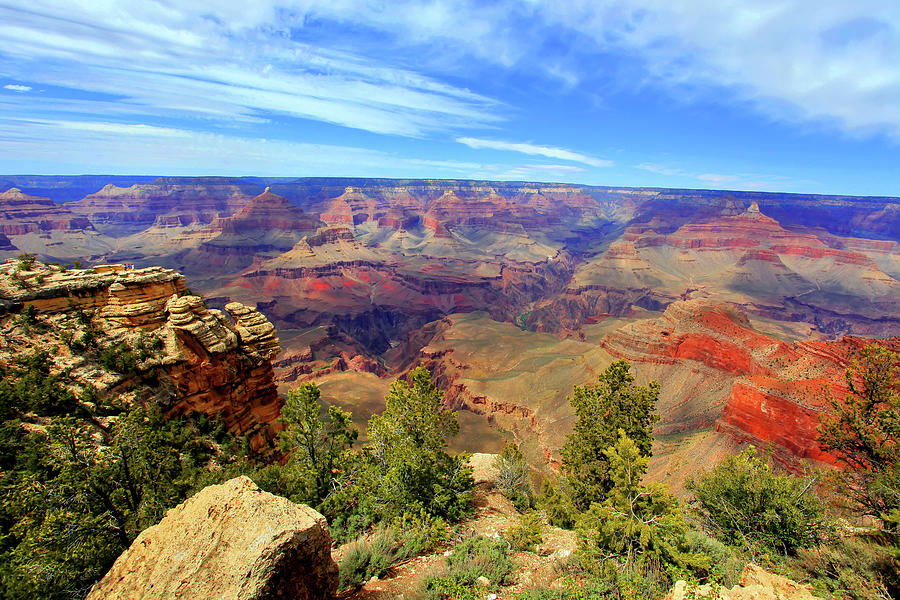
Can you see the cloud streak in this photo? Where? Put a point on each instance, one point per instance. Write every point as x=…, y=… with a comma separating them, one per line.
x=16, y=87
x=534, y=150
x=220, y=65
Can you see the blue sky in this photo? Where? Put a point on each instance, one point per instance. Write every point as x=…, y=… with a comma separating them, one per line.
x=733, y=94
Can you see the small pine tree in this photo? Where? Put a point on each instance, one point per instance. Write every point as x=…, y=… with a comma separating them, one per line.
x=635, y=524
x=407, y=448
x=614, y=403
x=863, y=431
x=317, y=447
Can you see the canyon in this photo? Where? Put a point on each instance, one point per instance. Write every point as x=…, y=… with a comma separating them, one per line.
x=746, y=306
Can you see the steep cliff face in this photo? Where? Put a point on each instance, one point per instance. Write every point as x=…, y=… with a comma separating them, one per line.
x=202, y=360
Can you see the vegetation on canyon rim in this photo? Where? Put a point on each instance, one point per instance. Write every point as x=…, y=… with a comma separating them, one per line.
x=83, y=474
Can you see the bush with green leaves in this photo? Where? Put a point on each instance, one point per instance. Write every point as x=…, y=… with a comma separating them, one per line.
x=614, y=403
x=636, y=524
x=744, y=502
x=615, y=582
x=514, y=477
x=26, y=261
x=468, y=561
x=317, y=447
x=556, y=503
x=75, y=495
x=854, y=568
x=527, y=533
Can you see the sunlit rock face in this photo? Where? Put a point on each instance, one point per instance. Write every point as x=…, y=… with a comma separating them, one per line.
x=209, y=362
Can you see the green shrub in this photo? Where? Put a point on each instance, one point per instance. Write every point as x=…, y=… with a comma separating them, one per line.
x=557, y=505
x=26, y=261
x=727, y=563
x=368, y=558
x=475, y=557
x=744, y=502
x=420, y=531
x=852, y=568
x=373, y=556
x=526, y=534
x=634, y=582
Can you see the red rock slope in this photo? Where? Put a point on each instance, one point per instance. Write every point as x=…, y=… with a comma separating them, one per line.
x=774, y=392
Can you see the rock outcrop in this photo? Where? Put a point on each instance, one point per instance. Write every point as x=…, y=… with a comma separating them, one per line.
x=755, y=584
x=228, y=541
x=207, y=364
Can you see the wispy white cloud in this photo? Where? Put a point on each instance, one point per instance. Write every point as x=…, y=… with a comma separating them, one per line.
x=118, y=148
x=187, y=60
x=717, y=178
x=742, y=181
x=16, y=87
x=798, y=60
x=659, y=169
x=535, y=150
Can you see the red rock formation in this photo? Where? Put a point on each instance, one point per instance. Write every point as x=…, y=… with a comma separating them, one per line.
x=211, y=363
x=776, y=391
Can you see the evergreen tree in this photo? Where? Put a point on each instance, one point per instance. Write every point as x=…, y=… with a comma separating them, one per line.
x=408, y=451
x=863, y=431
x=317, y=447
x=614, y=403
x=635, y=523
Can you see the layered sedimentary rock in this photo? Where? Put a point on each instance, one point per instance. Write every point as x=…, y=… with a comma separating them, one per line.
x=208, y=363
x=227, y=541
x=126, y=299
x=166, y=202
x=21, y=214
x=267, y=225
x=839, y=285
x=766, y=391
x=6, y=245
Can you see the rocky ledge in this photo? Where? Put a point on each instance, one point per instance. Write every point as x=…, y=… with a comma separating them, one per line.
x=208, y=362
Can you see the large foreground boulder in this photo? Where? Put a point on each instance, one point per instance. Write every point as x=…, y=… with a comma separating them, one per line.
x=231, y=541
x=755, y=584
